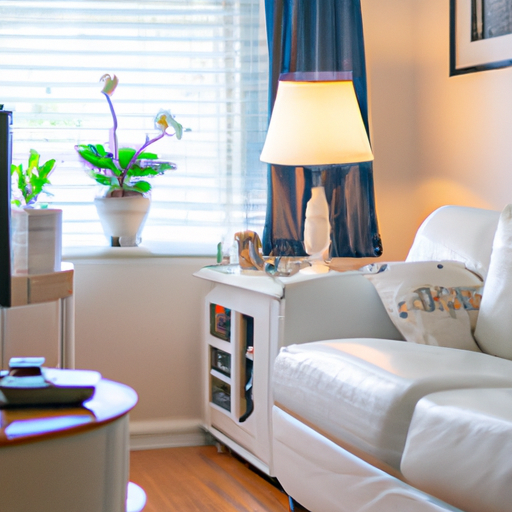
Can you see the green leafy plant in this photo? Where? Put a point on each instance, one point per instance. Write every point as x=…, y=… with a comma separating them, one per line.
x=30, y=182
x=124, y=170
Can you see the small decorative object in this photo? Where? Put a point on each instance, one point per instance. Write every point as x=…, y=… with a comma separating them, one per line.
x=220, y=322
x=250, y=257
x=250, y=254
x=124, y=207
x=221, y=361
x=37, y=232
x=284, y=267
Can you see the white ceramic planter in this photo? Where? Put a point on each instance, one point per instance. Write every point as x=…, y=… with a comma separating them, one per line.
x=123, y=218
x=36, y=240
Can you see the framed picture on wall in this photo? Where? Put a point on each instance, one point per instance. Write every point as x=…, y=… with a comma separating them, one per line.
x=480, y=35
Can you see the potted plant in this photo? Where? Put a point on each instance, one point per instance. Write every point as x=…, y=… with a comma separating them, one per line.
x=123, y=172
x=30, y=182
x=37, y=231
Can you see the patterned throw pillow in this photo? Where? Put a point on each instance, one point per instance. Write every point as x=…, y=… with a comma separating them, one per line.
x=429, y=302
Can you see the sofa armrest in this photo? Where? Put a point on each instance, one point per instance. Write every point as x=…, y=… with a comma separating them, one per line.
x=339, y=305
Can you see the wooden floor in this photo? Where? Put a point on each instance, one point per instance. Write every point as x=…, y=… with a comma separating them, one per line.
x=201, y=479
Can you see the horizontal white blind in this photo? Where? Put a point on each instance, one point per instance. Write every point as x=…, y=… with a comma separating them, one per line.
x=205, y=60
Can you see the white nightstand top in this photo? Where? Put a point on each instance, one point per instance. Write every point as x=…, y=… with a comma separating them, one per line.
x=254, y=280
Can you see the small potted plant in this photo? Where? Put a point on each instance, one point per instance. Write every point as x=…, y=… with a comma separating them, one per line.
x=30, y=182
x=37, y=229
x=124, y=171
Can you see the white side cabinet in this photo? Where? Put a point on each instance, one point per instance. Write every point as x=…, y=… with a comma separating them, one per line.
x=241, y=340
x=246, y=322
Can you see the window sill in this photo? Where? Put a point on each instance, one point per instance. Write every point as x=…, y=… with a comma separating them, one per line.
x=148, y=250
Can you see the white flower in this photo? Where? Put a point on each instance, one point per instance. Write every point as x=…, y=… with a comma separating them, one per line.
x=165, y=120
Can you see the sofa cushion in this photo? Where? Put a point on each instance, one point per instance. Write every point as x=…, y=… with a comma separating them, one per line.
x=494, y=325
x=459, y=446
x=362, y=393
x=322, y=476
x=459, y=233
x=429, y=302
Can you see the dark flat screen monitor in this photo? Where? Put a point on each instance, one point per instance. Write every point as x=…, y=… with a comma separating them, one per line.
x=5, y=207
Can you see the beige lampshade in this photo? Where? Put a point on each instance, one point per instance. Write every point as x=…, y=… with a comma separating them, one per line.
x=316, y=123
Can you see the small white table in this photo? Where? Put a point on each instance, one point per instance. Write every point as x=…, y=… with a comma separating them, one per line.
x=40, y=288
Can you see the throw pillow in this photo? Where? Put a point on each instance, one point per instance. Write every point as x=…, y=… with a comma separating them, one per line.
x=429, y=301
x=494, y=325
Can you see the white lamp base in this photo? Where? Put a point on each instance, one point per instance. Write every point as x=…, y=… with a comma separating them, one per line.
x=317, y=230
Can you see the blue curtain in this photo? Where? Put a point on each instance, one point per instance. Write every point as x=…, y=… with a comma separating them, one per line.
x=308, y=36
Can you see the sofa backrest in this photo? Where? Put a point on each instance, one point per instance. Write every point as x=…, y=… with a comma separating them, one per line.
x=458, y=233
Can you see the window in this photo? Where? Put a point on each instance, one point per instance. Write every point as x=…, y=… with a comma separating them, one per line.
x=205, y=60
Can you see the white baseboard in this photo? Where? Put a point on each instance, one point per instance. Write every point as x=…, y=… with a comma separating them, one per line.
x=147, y=435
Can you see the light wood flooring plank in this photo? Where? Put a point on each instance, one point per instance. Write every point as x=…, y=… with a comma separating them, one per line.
x=199, y=478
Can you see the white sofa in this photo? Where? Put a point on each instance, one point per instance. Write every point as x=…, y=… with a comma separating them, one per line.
x=383, y=425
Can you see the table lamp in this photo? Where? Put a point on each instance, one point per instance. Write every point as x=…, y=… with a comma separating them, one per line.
x=316, y=124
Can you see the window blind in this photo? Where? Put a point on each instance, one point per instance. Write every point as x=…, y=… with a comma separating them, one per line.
x=205, y=60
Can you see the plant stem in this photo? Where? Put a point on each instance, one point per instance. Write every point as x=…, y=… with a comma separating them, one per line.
x=114, y=129
x=124, y=172
x=136, y=155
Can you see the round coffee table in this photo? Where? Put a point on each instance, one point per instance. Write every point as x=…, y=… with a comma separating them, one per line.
x=57, y=459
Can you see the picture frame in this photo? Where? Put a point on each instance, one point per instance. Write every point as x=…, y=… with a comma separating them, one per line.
x=470, y=50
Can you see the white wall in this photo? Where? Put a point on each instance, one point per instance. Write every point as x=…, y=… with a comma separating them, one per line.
x=390, y=61
x=138, y=321
x=464, y=122
x=437, y=139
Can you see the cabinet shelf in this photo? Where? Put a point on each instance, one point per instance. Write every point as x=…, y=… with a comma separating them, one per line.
x=219, y=344
x=220, y=376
